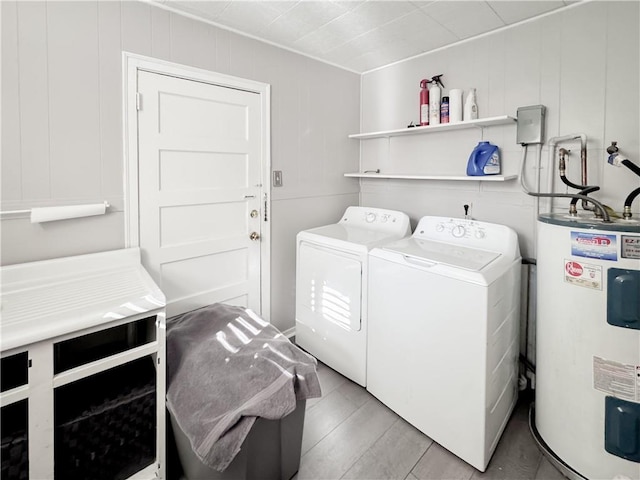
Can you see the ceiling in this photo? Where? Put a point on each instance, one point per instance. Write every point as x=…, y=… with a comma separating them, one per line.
x=362, y=35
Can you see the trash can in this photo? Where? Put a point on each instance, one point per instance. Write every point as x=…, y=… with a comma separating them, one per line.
x=271, y=451
x=236, y=395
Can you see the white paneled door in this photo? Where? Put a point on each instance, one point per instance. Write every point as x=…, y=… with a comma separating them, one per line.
x=200, y=192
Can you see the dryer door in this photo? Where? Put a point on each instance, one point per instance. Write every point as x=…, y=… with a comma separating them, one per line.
x=328, y=288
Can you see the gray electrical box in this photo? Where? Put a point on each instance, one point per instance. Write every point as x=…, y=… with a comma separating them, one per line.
x=531, y=125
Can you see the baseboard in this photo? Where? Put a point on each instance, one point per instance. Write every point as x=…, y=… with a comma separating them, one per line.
x=290, y=333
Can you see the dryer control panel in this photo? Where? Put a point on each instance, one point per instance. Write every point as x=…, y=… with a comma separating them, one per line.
x=470, y=233
x=378, y=219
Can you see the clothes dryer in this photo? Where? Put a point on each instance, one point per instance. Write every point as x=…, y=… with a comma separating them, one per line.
x=331, y=285
x=443, y=332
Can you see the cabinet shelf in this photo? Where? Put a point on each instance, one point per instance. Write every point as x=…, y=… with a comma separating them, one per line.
x=404, y=176
x=479, y=123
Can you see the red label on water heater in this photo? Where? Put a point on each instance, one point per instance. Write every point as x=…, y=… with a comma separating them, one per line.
x=574, y=269
x=583, y=274
x=595, y=240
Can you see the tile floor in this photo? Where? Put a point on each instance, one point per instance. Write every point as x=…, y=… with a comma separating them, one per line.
x=349, y=434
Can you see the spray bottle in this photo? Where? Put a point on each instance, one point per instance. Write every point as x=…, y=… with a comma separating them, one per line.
x=434, y=100
x=424, y=102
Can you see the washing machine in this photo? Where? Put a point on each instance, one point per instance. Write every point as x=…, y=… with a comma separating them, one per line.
x=444, y=308
x=331, y=285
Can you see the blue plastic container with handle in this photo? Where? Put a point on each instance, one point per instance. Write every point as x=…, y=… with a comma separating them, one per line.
x=484, y=160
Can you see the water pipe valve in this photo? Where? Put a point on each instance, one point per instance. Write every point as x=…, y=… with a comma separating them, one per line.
x=615, y=158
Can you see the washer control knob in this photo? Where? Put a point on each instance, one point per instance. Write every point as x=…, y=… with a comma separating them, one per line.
x=371, y=217
x=458, y=231
x=480, y=234
x=384, y=218
x=440, y=227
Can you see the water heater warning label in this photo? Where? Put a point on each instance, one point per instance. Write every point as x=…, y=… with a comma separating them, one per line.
x=583, y=274
x=621, y=380
x=594, y=245
x=630, y=246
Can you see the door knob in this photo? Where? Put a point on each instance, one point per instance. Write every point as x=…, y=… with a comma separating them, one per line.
x=254, y=213
x=254, y=236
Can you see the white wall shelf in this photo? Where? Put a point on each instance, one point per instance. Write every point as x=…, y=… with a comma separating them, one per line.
x=479, y=123
x=403, y=176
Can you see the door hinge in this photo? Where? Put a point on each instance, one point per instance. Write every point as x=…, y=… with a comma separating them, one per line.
x=138, y=101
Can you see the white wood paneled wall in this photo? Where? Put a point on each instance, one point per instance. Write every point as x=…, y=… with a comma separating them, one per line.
x=581, y=63
x=62, y=123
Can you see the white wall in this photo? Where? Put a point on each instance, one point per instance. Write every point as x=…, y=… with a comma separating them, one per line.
x=582, y=63
x=62, y=124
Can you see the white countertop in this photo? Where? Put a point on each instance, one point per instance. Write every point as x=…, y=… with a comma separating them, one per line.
x=46, y=299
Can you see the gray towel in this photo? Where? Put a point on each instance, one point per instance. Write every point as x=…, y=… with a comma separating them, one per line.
x=225, y=367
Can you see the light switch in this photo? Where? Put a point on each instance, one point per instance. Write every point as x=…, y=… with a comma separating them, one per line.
x=277, y=178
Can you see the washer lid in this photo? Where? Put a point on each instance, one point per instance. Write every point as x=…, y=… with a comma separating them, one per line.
x=355, y=235
x=444, y=253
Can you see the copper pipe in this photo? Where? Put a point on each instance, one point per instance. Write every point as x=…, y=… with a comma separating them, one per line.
x=583, y=165
x=599, y=207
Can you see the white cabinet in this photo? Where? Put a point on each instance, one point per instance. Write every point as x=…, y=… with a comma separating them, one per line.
x=83, y=369
x=390, y=134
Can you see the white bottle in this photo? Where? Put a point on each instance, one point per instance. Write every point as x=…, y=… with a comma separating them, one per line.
x=455, y=105
x=434, y=101
x=470, y=106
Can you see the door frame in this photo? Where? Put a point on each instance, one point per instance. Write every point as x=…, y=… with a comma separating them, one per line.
x=131, y=64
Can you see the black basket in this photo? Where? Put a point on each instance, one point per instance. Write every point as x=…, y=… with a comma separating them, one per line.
x=110, y=441
x=15, y=456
